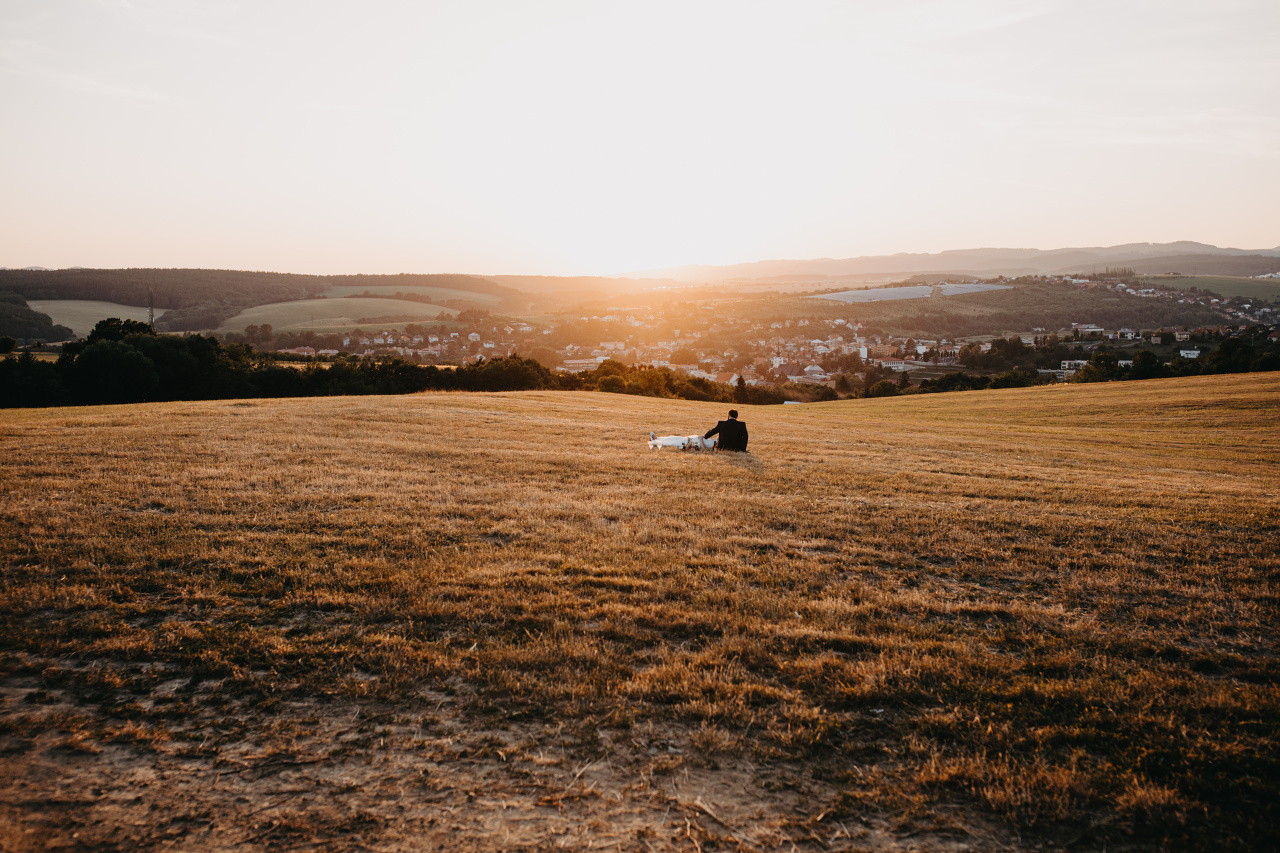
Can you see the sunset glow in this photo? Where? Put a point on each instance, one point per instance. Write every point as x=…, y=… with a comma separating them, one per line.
x=598, y=138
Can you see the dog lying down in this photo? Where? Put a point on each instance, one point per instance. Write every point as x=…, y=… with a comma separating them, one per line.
x=684, y=442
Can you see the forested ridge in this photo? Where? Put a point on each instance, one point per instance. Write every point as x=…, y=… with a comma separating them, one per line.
x=195, y=299
x=453, y=281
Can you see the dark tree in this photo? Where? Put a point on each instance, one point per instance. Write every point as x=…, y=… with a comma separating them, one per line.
x=115, y=329
x=883, y=388
x=113, y=372
x=1147, y=365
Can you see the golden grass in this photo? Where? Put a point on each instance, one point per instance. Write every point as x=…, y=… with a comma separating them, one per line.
x=1053, y=608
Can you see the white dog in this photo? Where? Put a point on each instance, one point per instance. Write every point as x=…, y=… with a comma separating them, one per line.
x=684, y=442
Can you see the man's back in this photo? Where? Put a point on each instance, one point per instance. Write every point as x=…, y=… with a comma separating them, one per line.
x=733, y=434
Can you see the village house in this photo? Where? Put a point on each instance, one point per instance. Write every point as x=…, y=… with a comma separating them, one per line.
x=789, y=371
x=815, y=372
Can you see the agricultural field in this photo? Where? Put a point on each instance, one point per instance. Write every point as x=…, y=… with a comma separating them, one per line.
x=1249, y=288
x=334, y=315
x=81, y=315
x=1021, y=619
x=435, y=294
x=920, y=291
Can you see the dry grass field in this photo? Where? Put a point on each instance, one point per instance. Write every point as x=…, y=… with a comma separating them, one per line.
x=1023, y=619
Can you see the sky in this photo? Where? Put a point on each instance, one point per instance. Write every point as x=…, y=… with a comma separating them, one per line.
x=595, y=138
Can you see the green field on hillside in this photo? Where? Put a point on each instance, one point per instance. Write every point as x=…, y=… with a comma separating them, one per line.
x=1249, y=288
x=335, y=315
x=1025, y=619
x=436, y=294
x=81, y=315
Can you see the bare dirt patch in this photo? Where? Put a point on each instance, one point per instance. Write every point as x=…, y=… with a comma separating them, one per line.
x=366, y=777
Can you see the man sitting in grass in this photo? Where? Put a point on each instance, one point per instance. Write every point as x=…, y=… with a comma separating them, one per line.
x=733, y=433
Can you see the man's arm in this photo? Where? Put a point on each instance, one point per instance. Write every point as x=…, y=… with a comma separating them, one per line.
x=715, y=429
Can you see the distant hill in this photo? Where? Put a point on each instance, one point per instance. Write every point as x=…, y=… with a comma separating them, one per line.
x=581, y=284
x=473, y=283
x=172, y=288
x=991, y=262
x=1197, y=264
x=198, y=299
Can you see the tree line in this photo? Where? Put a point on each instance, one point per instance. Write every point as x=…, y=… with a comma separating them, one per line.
x=124, y=361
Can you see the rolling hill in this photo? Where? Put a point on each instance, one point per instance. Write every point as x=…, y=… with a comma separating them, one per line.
x=1182, y=257
x=196, y=300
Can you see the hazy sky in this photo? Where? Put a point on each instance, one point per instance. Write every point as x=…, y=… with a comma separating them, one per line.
x=599, y=137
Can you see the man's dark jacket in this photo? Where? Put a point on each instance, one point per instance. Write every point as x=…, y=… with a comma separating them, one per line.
x=733, y=434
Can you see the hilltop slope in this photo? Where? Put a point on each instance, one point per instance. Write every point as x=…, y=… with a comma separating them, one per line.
x=1183, y=257
x=990, y=620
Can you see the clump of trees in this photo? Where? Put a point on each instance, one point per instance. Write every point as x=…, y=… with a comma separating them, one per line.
x=1019, y=378
x=642, y=380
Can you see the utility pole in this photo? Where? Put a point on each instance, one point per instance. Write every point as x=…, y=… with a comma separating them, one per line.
x=151, y=308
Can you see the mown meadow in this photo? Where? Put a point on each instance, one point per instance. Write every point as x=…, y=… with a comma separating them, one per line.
x=1040, y=617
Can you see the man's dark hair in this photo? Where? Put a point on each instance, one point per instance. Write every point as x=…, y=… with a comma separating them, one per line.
x=733, y=413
